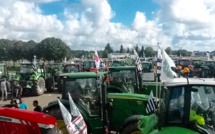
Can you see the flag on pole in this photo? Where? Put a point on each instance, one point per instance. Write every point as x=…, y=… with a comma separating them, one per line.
x=97, y=60
x=166, y=70
x=151, y=105
x=78, y=121
x=139, y=65
x=67, y=118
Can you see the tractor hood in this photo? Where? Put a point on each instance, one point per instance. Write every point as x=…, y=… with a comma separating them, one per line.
x=128, y=96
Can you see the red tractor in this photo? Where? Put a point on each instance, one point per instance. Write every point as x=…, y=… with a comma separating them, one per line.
x=18, y=121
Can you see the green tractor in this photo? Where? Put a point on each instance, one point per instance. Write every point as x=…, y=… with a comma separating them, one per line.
x=53, y=71
x=103, y=112
x=186, y=107
x=126, y=79
x=31, y=80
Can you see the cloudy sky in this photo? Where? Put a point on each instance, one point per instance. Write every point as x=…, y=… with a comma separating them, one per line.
x=90, y=24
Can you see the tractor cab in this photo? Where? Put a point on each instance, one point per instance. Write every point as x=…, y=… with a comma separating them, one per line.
x=147, y=67
x=124, y=79
x=72, y=67
x=211, y=68
x=103, y=112
x=184, y=108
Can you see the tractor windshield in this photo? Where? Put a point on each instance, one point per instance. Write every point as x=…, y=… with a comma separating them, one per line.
x=203, y=104
x=184, y=62
x=84, y=93
x=2, y=70
x=71, y=68
x=26, y=68
x=124, y=78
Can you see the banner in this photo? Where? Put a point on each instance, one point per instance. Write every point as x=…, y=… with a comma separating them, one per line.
x=78, y=122
x=67, y=118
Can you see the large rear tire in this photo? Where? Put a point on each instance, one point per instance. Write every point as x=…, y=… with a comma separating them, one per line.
x=131, y=128
x=50, y=84
x=38, y=87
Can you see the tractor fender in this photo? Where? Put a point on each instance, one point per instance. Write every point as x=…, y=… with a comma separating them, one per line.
x=129, y=120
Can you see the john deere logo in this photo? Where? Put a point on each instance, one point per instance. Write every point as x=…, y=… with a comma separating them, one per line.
x=167, y=69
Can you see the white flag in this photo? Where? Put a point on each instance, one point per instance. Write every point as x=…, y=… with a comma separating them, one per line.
x=139, y=65
x=97, y=60
x=78, y=122
x=73, y=108
x=67, y=118
x=166, y=72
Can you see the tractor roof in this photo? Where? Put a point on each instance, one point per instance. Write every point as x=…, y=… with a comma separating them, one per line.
x=83, y=75
x=192, y=81
x=122, y=68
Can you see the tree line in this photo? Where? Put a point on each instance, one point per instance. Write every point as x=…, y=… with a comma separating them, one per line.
x=56, y=49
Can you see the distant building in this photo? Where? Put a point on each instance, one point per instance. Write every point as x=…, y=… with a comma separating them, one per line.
x=118, y=55
x=199, y=54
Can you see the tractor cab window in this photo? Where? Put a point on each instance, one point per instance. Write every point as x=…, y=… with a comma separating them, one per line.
x=176, y=105
x=146, y=65
x=210, y=63
x=71, y=68
x=124, y=78
x=89, y=64
x=26, y=68
x=202, y=106
x=2, y=70
x=84, y=93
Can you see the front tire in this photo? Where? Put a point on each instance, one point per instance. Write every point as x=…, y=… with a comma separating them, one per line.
x=131, y=128
x=38, y=86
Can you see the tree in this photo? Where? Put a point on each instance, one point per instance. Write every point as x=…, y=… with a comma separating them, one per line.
x=121, y=49
x=5, y=46
x=169, y=50
x=29, y=50
x=128, y=50
x=149, y=52
x=108, y=48
x=16, y=51
x=53, y=49
x=141, y=54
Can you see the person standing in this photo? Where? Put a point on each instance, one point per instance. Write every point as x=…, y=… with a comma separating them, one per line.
x=37, y=107
x=17, y=90
x=4, y=89
x=23, y=105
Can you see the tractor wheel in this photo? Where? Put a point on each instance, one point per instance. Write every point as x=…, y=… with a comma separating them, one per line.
x=131, y=129
x=38, y=86
x=60, y=85
x=50, y=84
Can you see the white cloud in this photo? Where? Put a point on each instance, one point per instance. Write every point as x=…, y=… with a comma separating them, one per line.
x=190, y=23
x=86, y=29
